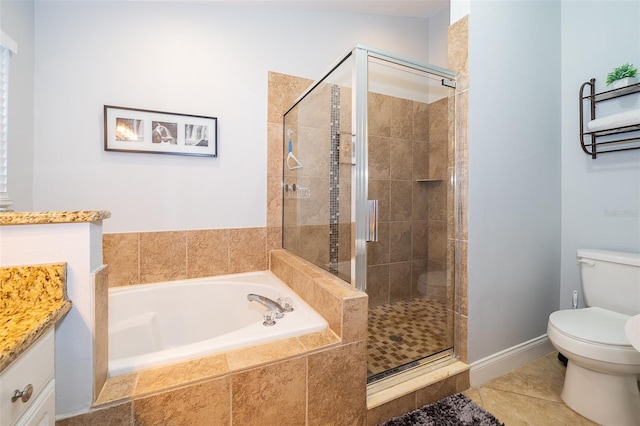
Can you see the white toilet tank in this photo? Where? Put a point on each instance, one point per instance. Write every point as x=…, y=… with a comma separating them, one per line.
x=611, y=280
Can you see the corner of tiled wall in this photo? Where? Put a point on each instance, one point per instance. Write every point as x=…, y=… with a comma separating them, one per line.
x=458, y=54
x=100, y=283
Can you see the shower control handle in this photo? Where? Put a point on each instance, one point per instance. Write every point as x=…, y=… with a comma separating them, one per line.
x=372, y=220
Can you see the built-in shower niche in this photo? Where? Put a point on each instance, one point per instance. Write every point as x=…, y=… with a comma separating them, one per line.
x=378, y=127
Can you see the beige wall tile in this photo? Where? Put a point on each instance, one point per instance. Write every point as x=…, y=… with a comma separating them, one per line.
x=437, y=205
x=274, y=238
x=163, y=256
x=399, y=281
x=400, y=159
x=381, y=190
x=355, y=318
x=378, y=284
x=420, y=160
x=156, y=379
x=207, y=252
x=421, y=199
x=378, y=251
x=118, y=388
x=314, y=244
x=329, y=306
x=399, y=241
x=282, y=92
x=315, y=108
x=463, y=282
x=379, y=119
x=461, y=336
x=418, y=267
x=247, y=250
x=100, y=282
x=458, y=51
x=400, y=200
x=420, y=246
x=395, y=408
x=401, y=118
x=319, y=340
x=116, y=415
x=243, y=358
x=199, y=404
x=338, y=398
x=437, y=238
x=462, y=132
x=274, y=200
x=438, y=159
x=436, y=391
x=121, y=252
x=379, y=152
x=420, y=121
x=274, y=394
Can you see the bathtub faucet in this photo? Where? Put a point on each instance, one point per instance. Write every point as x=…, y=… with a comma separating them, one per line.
x=268, y=303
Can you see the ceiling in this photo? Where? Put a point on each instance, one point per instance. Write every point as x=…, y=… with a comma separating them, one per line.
x=405, y=8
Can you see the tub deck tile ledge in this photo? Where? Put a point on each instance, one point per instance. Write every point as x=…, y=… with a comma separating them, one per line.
x=129, y=386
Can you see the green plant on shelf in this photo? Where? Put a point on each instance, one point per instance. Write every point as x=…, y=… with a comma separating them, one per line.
x=623, y=71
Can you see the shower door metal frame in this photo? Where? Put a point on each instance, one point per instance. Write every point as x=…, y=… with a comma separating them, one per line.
x=360, y=186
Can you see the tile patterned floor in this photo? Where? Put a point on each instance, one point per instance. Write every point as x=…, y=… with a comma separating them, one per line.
x=407, y=330
x=529, y=395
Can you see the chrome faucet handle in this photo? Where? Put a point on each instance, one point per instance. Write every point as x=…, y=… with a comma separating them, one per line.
x=269, y=318
x=286, y=303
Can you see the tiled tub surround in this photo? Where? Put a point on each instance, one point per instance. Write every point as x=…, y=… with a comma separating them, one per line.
x=318, y=378
x=148, y=257
x=32, y=299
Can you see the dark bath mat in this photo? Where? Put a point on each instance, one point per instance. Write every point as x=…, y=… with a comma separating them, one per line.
x=455, y=410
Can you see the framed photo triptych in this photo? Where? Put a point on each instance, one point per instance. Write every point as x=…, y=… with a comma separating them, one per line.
x=139, y=130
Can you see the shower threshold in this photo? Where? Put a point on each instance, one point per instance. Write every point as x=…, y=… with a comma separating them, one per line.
x=429, y=370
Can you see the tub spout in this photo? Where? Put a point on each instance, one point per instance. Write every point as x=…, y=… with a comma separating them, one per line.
x=265, y=301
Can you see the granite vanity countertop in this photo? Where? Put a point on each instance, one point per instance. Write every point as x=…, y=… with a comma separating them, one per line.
x=32, y=218
x=32, y=299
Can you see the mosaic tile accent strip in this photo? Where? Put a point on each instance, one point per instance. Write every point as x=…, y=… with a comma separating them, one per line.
x=334, y=182
x=405, y=331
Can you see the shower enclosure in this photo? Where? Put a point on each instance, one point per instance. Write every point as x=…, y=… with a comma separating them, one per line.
x=368, y=195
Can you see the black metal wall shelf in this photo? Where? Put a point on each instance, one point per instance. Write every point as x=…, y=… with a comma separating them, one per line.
x=612, y=139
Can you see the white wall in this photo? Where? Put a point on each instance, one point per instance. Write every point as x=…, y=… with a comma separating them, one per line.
x=514, y=172
x=16, y=20
x=192, y=58
x=600, y=197
x=438, y=27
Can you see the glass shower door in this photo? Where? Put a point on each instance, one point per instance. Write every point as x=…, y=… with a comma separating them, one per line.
x=409, y=163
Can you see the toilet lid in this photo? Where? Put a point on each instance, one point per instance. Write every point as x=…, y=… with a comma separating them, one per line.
x=592, y=324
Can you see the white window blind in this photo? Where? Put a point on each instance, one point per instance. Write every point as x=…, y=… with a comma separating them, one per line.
x=7, y=48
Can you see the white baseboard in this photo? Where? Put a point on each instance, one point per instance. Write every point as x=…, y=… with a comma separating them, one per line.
x=508, y=360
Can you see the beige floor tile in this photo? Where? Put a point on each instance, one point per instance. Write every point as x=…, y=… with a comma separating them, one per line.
x=514, y=409
x=474, y=395
x=540, y=379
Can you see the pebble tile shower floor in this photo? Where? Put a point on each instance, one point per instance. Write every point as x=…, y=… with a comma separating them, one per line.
x=405, y=331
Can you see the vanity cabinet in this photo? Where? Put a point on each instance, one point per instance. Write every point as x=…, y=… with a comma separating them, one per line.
x=27, y=386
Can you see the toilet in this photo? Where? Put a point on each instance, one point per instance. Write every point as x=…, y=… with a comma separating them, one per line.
x=601, y=381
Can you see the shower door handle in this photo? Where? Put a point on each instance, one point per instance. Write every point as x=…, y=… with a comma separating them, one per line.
x=372, y=220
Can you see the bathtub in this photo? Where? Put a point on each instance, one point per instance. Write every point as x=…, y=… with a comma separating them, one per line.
x=163, y=323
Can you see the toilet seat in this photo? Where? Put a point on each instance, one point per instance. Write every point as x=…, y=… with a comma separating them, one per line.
x=594, y=333
x=592, y=325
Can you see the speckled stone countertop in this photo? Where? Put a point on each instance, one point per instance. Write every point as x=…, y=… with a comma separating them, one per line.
x=32, y=299
x=32, y=218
